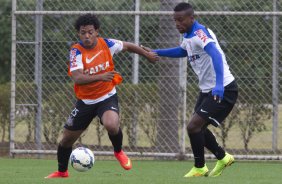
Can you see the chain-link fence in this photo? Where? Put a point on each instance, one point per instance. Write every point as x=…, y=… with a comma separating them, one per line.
x=155, y=100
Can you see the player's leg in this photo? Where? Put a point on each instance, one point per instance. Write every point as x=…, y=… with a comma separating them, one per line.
x=215, y=113
x=63, y=153
x=212, y=145
x=78, y=121
x=110, y=120
x=197, y=141
x=224, y=158
x=194, y=129
x=65, y=148
x=109, y=114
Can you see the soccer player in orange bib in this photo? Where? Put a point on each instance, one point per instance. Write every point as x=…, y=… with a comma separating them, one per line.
x=92, y=70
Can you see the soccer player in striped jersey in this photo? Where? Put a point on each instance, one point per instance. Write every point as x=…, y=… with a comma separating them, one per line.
x=92, y=70
x=218, y=93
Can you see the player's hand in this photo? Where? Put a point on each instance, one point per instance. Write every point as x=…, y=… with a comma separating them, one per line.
x=150, y=55
x=217, y=93
x=107, y=76
x=146, y=48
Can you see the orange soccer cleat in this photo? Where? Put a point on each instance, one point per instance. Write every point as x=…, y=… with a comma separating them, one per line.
x=124, y=161
x=58, y=174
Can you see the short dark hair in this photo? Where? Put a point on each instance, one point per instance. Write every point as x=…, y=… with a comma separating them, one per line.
x=87, y=19
x=183, y=6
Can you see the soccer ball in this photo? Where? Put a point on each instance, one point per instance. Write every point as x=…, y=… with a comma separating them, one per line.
x=82, y=159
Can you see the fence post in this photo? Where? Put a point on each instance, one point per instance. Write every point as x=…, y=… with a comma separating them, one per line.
x=13, y=79
x=135, y=78
x=38, y=74
x=183, y=103
x=275, y=68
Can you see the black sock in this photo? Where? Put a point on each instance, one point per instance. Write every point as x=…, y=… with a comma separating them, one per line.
x=212, y=145
x=63, y=155
x=117, y=140
x=197, y=141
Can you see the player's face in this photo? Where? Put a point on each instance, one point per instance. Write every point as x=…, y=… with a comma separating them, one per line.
x=88, y=35
x=183, y=21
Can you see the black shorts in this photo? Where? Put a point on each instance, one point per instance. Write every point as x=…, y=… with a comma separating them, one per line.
x=212, y=111
x=82, y=115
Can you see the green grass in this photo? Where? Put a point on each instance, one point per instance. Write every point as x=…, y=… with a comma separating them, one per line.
x=32, y=171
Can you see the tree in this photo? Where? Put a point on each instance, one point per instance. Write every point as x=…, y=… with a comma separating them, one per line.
x=4, y=109
x=252, y=121
x=5, y=41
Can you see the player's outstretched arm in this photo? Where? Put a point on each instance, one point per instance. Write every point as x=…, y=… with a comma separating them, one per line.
x=130, y=47
x=176, y=52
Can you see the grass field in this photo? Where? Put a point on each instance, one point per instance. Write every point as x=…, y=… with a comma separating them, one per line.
x=32, y=171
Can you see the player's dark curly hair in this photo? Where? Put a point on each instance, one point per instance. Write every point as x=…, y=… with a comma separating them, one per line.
x=183, y=6
x=87, y=19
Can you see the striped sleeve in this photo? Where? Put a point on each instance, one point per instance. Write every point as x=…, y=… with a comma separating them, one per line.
x=75, y=59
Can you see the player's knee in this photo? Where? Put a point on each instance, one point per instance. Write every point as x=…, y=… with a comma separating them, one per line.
x=67, y=142
x=112, y=127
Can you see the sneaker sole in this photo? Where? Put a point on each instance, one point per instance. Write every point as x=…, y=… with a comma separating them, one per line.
x=55, y=177
x=197, y=175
